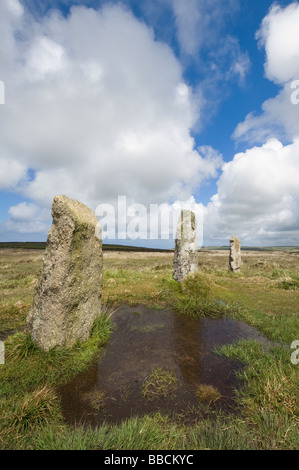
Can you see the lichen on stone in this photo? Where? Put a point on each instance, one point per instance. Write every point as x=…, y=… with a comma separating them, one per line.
x=68, y=293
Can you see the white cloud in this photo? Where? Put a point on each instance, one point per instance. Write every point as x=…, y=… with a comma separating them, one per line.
x=199, y=24
x=27, y=218
x=279, y=34
x=25, y=227
x=23, y=211
x=240, y=66
x=11, y=172
x=279, y=118
x=258, y=192
x=97, y=108
x=188, y=19
x=258, y=196
x=231, y=63
x=44, y=57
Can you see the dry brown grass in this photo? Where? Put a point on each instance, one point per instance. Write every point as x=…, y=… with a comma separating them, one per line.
x=207, y=394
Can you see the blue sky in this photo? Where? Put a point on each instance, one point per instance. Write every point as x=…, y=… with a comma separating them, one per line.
x=160, y=101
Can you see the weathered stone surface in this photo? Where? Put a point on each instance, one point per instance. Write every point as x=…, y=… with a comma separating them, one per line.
x=2, y=353
x=235, y=254
x=186, y=247
x=68, y=293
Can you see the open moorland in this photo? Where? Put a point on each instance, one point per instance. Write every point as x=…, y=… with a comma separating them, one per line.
x=262, y=411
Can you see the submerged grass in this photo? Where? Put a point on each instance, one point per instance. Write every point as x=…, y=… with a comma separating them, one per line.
x=161, y=383
x=264, y=294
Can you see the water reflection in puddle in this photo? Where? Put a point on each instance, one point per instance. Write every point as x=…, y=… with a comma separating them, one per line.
x=144, y=340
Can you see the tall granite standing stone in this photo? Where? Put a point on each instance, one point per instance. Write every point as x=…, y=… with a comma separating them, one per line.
x=186, y=247
x=235, y=254
x=68, y=292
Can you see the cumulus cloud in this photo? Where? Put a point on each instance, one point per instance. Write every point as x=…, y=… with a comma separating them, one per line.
x=279, y=35
x=27, y=218
x=11, y=172
x=258, y=196
x=24, y=211
x=279, y=118
x=95, y=108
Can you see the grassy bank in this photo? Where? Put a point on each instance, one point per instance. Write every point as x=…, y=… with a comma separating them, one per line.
x=265, y=294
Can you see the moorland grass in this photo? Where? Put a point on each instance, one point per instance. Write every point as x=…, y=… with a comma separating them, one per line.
x=264, y=295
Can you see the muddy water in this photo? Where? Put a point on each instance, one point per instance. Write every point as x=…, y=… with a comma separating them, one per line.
x=144, y=340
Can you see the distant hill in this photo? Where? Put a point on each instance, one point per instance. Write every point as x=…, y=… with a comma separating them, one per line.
x=107, y=247
x=253, y=248
x=42, y=246
x=24, y=245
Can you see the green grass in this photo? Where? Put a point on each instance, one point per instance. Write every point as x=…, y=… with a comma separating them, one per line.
x=269, y=395
x=161, y=383
x=264, y=294
x=29, y=377
x=194, y=297
x=153, y=432
x=37, y=408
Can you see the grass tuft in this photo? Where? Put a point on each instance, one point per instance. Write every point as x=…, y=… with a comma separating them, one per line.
x=207, y=394
x=160, y=384
x=194, y=297
x=20, y=346
x=37, y=408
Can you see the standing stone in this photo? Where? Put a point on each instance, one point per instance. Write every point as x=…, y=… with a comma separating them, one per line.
x=2, y=353
x=235, y=254
x=68, y=292
x=186, y=247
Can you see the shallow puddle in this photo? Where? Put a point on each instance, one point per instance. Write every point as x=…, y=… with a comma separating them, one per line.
x=147, y=340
